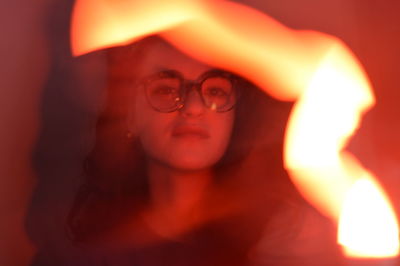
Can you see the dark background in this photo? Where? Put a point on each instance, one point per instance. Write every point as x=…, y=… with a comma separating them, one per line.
x=49, y=102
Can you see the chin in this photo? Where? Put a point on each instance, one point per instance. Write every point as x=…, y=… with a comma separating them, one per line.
x=191, y=164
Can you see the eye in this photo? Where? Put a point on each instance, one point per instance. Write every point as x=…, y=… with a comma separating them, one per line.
x=163, y=87
x=217, y=87
x=216, y=92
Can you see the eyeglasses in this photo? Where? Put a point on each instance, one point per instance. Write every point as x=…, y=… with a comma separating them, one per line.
x=167, y=90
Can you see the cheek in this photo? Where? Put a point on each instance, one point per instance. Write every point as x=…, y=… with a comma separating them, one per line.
x=153, y=132
x=150, y=126
x=222, y=131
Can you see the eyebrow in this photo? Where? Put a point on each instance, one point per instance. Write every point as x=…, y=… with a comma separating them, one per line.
x=160, y=69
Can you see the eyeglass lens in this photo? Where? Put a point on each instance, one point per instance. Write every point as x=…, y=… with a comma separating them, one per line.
x=167, y=93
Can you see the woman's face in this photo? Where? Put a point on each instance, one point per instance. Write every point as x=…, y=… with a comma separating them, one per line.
x=191, y=138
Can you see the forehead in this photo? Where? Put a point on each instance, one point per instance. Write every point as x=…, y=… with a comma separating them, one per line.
x=162, y=56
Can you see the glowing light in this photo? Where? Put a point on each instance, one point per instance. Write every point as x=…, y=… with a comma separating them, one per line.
x=323, y=119
x=104, y=23
x=317, y=70
x=208, y=31
x=368, y=226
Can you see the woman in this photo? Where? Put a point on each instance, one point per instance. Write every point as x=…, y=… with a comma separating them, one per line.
x=186, y=166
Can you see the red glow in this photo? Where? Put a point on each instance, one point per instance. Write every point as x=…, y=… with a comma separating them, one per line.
x=331, y=89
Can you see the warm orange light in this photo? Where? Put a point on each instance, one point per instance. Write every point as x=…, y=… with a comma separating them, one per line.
x=322, y=121
x=368, y=225
x=262, y=49
x=104, y=23
x=317, y=70
x=324, y=118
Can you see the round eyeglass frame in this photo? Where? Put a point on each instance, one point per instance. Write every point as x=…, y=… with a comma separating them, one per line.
x=187, y=85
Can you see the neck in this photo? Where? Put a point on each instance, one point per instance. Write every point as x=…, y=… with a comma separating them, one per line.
x=176, y=191
x=177, y=199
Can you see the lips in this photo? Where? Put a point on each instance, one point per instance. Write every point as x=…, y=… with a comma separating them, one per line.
x=190, y=131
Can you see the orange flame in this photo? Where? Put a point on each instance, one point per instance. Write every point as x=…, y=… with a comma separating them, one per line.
x=331, y=89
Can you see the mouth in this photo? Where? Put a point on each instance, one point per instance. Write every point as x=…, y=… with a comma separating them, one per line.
x=190, y=131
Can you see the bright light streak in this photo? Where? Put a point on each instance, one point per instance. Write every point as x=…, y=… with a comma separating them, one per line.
x=209, y=31
x=100, y=24
x=368, y=225
x=322, y=121
x=324, y=118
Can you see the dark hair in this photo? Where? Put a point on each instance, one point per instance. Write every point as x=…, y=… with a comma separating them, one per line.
x=115, y=184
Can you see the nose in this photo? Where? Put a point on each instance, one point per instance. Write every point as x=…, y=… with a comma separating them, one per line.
x=193, y=105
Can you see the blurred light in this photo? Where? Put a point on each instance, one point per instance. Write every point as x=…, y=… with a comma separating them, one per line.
x=323, y=119
x=368, y=225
